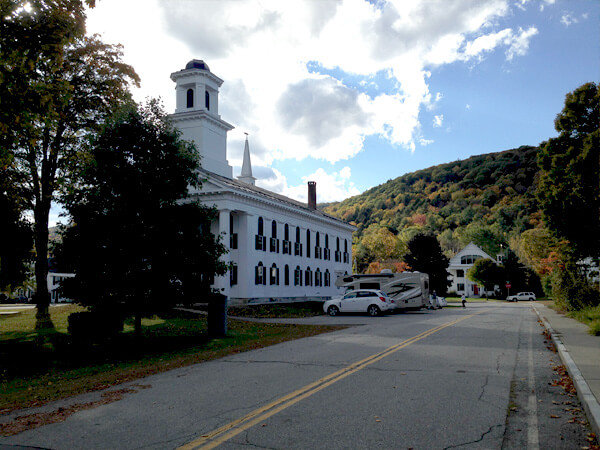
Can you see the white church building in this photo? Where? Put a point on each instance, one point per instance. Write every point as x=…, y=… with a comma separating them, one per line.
x=279, y=249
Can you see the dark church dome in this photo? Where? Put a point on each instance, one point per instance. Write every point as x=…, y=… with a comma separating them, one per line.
x=197, y=64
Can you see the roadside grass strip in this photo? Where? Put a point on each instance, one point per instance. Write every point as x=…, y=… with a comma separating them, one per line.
x=232, y=429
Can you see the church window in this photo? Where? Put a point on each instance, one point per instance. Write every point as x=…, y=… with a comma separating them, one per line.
x=287, y=245
x=308, y=243
x=318, y=249
x=259, y=274
x=298, y=276
x=190, y=98
x=327, y=278
x=298, y=245
x=308, y=278
x=286, y=275
x=326, y=252
x=261, y=240
x=338, y=253
x=274, y=246
x=318, y=277
x=346, y=254
x=233, y=275
x=233, y=237
x=274, y=278
x=207, y=100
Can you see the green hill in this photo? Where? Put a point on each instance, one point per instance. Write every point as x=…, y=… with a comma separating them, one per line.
x=484, y=199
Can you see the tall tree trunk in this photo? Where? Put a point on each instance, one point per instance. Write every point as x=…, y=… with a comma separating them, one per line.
x=41, y=214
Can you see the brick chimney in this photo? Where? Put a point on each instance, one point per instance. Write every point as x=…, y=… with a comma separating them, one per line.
x=312, y=194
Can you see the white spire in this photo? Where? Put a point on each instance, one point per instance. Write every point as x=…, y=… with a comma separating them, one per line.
x=246, y=175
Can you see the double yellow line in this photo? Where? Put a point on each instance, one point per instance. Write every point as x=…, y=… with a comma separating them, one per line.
x=232, y=429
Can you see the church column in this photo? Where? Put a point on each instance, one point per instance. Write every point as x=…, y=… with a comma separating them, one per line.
x=222, y=282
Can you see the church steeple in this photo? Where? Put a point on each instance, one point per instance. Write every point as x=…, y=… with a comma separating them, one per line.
x=197, y=115
x=246, y=175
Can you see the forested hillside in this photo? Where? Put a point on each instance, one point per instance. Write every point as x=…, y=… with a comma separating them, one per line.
x=484, y=199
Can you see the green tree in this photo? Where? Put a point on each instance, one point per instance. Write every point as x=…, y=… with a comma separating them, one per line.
x=135, y=245
x=425, y=255
x=568, y=190
x=16, y=238
x=568, y=193
x=56, y=87
x=486, y=273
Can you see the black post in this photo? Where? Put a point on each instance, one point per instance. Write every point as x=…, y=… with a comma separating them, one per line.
x=217, y=315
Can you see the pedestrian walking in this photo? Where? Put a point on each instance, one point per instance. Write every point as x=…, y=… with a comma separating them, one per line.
x=463, y=300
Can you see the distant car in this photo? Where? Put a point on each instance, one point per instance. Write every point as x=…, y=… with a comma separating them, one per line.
x=372, y=301
x=521, y=296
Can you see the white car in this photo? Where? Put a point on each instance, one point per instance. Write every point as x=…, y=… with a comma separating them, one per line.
x=372, y=301
x=521, y=296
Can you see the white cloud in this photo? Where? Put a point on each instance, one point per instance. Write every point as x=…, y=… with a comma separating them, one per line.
x=331, y=187
x=261, y=49
x=438, y=121
x=567, y=19
x=519, y=44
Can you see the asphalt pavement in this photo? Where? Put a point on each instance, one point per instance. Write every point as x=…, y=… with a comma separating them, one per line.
x=580, y=353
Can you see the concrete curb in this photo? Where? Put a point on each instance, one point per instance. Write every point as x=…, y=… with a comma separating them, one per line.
x=585, y=394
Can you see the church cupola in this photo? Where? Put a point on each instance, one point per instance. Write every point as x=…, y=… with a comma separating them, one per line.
x=197, y=115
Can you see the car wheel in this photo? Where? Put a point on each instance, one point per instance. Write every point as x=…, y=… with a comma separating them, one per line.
x=333, y=311
x=530, y=299
x=373, y=310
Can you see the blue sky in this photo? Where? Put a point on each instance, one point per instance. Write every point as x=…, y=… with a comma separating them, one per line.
x=353, y=93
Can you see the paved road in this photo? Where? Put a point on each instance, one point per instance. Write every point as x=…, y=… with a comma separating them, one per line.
x=479, y=377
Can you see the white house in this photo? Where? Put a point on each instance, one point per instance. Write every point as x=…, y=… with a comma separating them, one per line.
x=280, y=249
x=458, y=267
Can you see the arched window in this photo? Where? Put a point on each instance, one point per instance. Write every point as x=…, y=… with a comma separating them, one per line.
x=286, y=275
x=274, y=229
x=326, y=252
x=327, y=278
x=259, y=274
x=308, y=243
x=337, y=244
x=190, y=98
x=286, y=232
x=469, y=259
x=308, y=277
x=274, y=278
x=298, y=245
x=261, y=240
x=207, y=100
x=318, y=277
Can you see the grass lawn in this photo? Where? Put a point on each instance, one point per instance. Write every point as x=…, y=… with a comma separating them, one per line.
x=589, y=316
x=38, y=367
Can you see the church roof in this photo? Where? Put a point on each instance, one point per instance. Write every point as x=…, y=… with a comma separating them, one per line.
x=197, y=64
x=266, y=194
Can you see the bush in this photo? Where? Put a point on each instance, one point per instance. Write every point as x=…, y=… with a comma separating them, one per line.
x=94, y=325
x=572, y=291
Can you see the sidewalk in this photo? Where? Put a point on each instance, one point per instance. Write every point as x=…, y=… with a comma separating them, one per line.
x=580, y=353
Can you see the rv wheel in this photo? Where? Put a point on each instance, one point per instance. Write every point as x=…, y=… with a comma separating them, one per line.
x=333, y=311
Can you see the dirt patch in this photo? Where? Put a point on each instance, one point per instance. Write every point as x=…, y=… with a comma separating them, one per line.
x=32, y=421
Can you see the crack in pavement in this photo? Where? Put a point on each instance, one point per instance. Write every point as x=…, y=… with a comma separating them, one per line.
x=481, y=438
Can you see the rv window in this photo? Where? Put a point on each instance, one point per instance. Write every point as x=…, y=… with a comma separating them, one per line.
x=369, y=285
x=426, y=284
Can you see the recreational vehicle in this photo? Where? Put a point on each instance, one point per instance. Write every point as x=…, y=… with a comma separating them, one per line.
x=409, y=290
